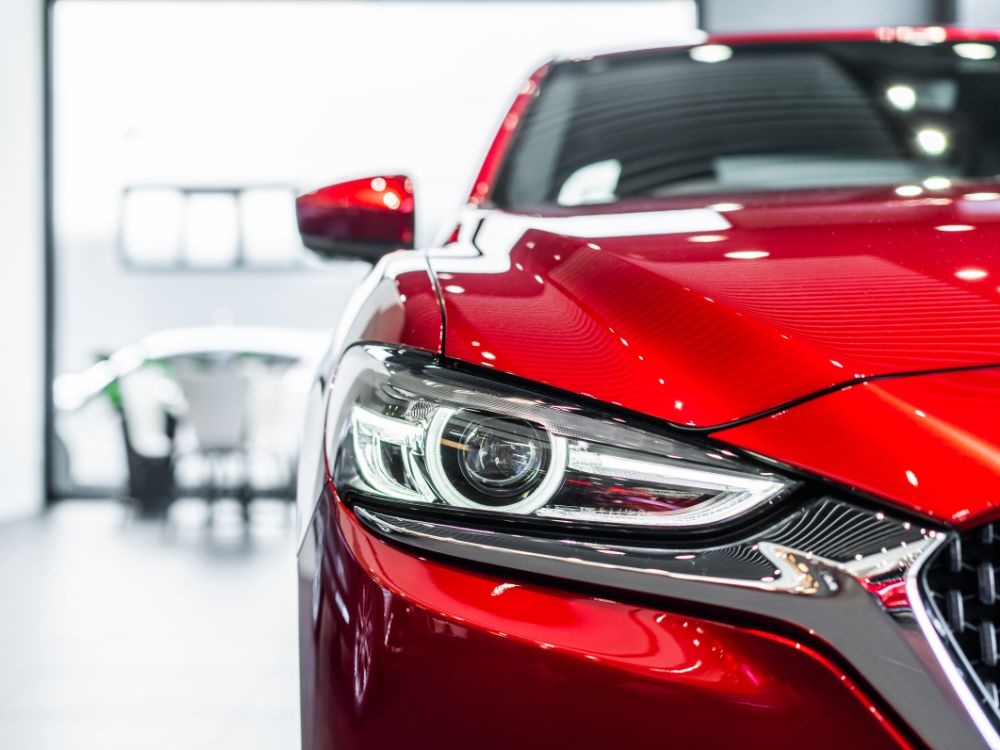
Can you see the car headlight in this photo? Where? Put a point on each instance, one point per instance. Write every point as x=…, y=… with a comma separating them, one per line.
x=403, y=429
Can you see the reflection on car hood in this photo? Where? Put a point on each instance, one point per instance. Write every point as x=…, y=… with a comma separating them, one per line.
x=707, y=315
x=935, y=446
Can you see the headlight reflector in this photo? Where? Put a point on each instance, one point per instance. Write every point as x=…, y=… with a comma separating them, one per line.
x=403, y=429
x=493, y=463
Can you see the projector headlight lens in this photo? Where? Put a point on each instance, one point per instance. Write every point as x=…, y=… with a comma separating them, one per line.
x=403, y=429
x=492, y=463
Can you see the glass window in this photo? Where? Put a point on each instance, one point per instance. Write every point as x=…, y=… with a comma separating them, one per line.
x=715, y=120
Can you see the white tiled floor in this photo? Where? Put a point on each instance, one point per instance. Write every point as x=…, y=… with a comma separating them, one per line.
x=120, y=634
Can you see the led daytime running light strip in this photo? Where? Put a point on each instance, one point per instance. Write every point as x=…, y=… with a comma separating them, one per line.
x=734, y=494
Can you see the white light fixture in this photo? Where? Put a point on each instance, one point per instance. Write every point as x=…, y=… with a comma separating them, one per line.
x=725, y=207
x=711, y=53
x=937, y=183
x=971, y=274
x=932, y=141
x=747, y=254
x=902, y=97
x=975, y=51
x=922, y=35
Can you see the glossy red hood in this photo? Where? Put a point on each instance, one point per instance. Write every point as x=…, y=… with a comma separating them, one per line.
x=706, y=315
x=929, y=442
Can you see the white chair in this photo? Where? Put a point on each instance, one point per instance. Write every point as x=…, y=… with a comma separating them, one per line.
x=275, y=414
x=216, y=399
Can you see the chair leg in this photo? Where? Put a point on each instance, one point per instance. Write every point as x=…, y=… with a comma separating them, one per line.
x=245, y=490
x=210, y=489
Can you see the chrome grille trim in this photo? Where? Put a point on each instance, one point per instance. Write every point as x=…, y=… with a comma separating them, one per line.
x=958, y=597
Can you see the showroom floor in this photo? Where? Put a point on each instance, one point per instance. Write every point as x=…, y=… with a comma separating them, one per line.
x=127, y=636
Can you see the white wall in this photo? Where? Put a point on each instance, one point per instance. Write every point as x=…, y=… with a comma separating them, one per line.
x=21, y=262
x=979, y=13
x=306, y=92
x=284, y=92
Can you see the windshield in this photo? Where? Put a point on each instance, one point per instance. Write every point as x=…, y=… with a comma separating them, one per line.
x=720, y=120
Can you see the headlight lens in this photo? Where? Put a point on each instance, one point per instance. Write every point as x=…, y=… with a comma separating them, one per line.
x=403, y=429
x=481, y=461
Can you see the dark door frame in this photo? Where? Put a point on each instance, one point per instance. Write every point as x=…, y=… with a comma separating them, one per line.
x=48, y=284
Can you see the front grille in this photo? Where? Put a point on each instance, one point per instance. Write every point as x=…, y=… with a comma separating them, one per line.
x=961, y=586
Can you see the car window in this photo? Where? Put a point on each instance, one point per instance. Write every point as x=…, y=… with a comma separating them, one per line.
x=718, y=119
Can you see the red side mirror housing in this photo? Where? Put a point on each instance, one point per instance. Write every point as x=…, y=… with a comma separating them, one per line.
x=363, y=219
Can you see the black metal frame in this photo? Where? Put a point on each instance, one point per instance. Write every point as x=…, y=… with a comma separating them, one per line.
x=48, y=251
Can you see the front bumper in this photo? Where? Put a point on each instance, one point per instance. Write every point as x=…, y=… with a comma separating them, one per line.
x=401, y=649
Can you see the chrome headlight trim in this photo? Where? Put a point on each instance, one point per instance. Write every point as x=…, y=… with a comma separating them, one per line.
x=403, y=429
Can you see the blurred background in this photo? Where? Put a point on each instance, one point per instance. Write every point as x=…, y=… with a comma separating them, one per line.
x=183, y=131
x=163, y=320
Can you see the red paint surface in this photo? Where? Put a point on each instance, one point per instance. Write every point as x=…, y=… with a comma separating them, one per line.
x=373, y=210
x=855, y=283
x=498, y=148
x=892, y=594
x=930, y=443
x=453, y=659
x=421, y=312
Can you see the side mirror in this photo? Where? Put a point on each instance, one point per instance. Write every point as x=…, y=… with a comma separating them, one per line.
x=363, y=219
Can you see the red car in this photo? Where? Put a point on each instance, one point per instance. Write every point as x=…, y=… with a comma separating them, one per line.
x=688, y=435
